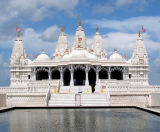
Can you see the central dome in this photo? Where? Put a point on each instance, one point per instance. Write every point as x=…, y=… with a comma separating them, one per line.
x=80, y=54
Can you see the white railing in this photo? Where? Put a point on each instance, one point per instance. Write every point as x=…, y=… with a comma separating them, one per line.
x=13, y=90
x=130, y=88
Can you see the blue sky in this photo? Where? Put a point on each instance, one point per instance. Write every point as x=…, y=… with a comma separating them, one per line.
x=118, y=21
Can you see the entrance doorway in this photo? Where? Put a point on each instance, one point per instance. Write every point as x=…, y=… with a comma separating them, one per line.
x=117, y=74
x=103, y=74
x=92, y=79
x=55, y=74
x=66, y=77
x=42, y=75
x=79, y=77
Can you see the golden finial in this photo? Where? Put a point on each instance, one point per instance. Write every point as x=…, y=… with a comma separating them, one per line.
x=115, y=50
x=18, y=30
x=62, y=28
x=96, y=28
x=139, y=34
x=79, y=21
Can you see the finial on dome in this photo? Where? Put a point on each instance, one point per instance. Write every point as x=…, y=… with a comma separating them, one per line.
x=115, y=50
x=79, y=21
x=42, y=50
x=139, y=33
x=96, y=28
x=18, y=30
x=62, y=28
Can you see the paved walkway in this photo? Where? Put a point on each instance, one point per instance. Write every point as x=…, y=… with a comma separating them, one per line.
x=155, y=109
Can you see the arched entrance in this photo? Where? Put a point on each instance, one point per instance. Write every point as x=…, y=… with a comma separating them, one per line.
x=42, y=75
x=117, y=74
x=66, y=77
x=103, y=74
x=55, y=74
x=92, y=79
x=79, y=77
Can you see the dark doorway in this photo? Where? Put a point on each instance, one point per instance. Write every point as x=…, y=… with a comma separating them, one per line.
x=103, y=74
x=55, y=74
x=66, y=77
x=42, y=75
x=79, y=77
x=92, y=79
x=116, y=74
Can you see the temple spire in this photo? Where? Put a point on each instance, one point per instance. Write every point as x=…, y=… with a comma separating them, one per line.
x=62, y=28
x=79, y=21
x=139, y=34
x=18, y=30
x=96, y=28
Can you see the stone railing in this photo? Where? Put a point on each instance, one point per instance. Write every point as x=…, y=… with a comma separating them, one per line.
x=13, y=90
x=42, y=86
x=125, y=87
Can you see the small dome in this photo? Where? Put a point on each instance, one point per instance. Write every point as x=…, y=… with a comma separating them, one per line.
x=80, y=54
x=43, y=57
x=129, y=61
x=29, y=61
x=116, y=57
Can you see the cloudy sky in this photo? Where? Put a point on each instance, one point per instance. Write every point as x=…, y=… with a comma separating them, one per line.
x=118, y=21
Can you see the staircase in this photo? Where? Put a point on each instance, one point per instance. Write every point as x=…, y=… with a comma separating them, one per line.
x=82, y=100
x=94, y=100
x=62, y=100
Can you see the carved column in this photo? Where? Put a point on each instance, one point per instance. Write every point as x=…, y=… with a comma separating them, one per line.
x=109, y=72
x=34, y=73
x=71, y=71
x=124, y=73
x=98, y=68
x=49, y=74
x=87, y=70
x=60, y=68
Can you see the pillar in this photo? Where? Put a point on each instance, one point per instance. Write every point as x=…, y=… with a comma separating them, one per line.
x=87, y=70
x=98, y=68
x=109, y=72
x=71, y=72
x=49, y=74
x=34, y=73
x=60, y=68
x=124, y=72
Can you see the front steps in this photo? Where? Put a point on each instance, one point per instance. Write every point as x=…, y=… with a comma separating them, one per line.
x=78, y=100
x=94, y=100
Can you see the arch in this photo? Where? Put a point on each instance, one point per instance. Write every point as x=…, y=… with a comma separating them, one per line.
x=42, y=75
x=117, y=74
x=103, y=74
x=92, y=78
x=55, y=74
x=66, y=77
x=79, y=77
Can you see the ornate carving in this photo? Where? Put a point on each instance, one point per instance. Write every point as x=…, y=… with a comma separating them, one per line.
x=119, y=68
x=42, y=69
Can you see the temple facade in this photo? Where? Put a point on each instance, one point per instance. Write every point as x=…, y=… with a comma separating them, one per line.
x=81, y=74
x=79, y=66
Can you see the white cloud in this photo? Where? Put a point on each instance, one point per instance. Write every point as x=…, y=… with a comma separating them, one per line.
x=4, y=72
x=14, y=12
x=120, y=3
x=111, y=6
x=151, y=24
x=33, y=42
x=38, y=9
x=51, y=33
x=103, y=8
